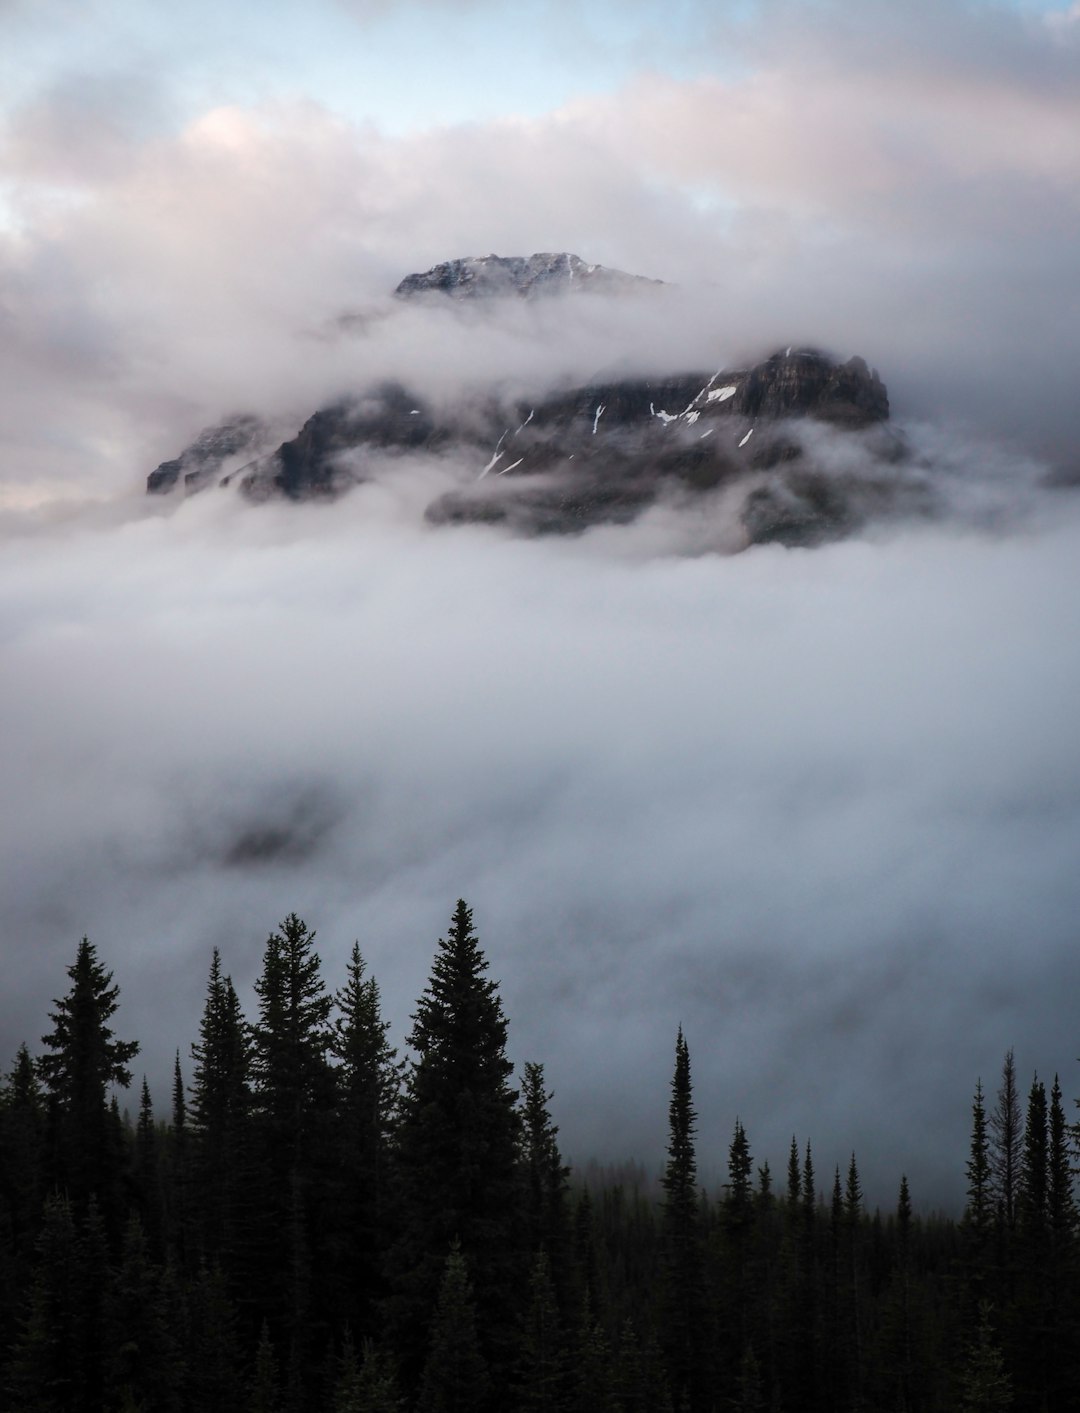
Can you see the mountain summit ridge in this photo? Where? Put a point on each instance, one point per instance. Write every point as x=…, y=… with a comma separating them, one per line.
x=601, y=452
x=535, y=276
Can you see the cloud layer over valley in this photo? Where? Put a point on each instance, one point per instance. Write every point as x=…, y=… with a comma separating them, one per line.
x=822, y=808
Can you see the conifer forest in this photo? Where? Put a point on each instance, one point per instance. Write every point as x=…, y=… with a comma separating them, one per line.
x=326, y=1222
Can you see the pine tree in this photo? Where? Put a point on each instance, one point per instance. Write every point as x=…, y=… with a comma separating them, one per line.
x=294, y=1102
x=739, y=1296
x=807, y=1314
x=1062, y=1293
x=214, y=1383
x=219, y=1124
x=176, y=1173
x=1006, y=1144
x=749, y=1389
x=86, y=1060
x=22, y=1160
x=368, y=1085
x=684, y=1333
x=546, y=1213
x=977, y=1225
x=1030, y=1325
x=264, y=1396
x=852, y=1244
x=985, y=1384
x=792, y=1352
x=147, y=1171
x=291, y=1042
x=145, y=1366
x=44, y=1372
x=900, y=1372
x=457, y=1168
x=56, y=1361
x=592, y=1380
x=455, y=1376
x=541, y=1361
x=378, y=1385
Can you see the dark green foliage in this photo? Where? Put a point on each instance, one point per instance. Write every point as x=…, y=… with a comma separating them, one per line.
x=749, y=1395
x=985, y=1386
x=22, y=1173
x=541, y=1373
x=739, y=1293
x=545, y=1195
x=368, y=1083
x=977, y=1226
x=455, y=1378
x=293, y=1114
x=592, y=1381
x=1006, y=1145
x=219, y=1138
x=377, y=1387
x=45, y=1373
x=264, y=1395
x=144, y=1368
x=214, y=1363
x=85, y=1059
x=685, y=1334
x=458, y=1170
x=238, y=1249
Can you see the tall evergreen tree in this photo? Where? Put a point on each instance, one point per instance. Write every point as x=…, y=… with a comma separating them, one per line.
x=22, y=1164
x=368, y=1080
x=211, y=1341
x=294, y=1111
x=457, y=1162
x=737, y=1284
x=977, y=1225
x=899, y=1370
x=85, y=1059
x=1063, y=1265
x=853, y=1313
x=264, y=1395
x=541, y=1362
x=291, y=1042
x=294, y=1096
x=219, y=1120
x=1032, y=1317
x=456, y=1378
x=545, y=1189
x=145, y=1367
x=684, y=1333
x=985, y=1386
x=1006, y=1144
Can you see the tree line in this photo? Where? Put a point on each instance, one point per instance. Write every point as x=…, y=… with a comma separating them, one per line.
x=324, y=1225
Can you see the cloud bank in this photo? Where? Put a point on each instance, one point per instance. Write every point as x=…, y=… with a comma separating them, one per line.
x=821, y=808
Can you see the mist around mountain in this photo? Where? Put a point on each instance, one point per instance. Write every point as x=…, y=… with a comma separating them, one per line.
x=817, y=801
x=795, y=448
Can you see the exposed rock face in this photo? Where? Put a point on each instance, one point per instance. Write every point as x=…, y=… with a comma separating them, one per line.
x=527, y=276
x=601, y=453
x=202, y=462
x=598, y=453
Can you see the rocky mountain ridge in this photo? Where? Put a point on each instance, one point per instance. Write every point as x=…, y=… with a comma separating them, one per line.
x=601, y=452
x=527, y=276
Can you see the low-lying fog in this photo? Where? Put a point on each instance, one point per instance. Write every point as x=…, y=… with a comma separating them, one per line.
x=821, y=808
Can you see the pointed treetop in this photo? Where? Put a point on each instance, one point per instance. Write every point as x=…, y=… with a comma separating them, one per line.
x=87, y=1058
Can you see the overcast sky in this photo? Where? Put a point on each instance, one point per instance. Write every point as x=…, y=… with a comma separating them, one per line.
x=821, y=808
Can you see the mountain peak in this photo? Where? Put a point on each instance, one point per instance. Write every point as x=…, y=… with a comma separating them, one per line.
x=524, y=276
